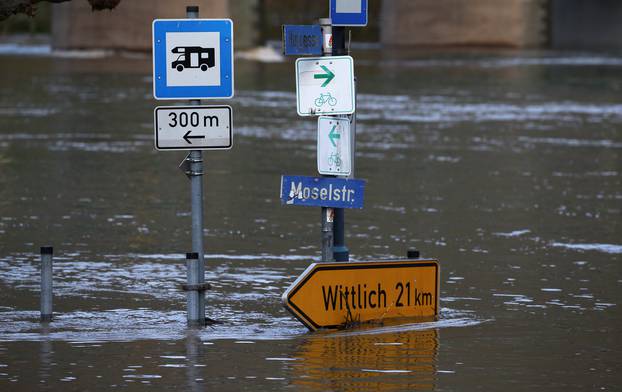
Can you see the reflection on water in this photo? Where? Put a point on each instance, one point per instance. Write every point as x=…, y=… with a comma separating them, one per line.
x=45, y=355
x=375, y=362
x=193, y=367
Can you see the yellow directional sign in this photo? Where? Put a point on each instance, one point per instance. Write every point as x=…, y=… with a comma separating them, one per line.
x=328, y=295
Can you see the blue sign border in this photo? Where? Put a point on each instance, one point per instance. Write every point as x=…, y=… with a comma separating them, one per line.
x=162, y=26
x=331, y=185
x=348, y=19
x=308, y=30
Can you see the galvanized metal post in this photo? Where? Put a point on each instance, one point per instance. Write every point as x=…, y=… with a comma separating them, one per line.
x=46, y=283
x=192, y=294
x=340, y=250
x=195, y=159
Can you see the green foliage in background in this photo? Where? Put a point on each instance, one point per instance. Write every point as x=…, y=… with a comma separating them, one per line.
x=39, y=24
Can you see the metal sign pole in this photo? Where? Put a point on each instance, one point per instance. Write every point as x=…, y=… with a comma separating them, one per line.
x=340, y=250
x=195, y=159
x=327, y=213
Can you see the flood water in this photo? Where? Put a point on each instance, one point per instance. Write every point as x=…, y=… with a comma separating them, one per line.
x=505, y=166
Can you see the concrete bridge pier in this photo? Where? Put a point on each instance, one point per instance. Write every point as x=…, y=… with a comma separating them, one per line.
x=505, y=23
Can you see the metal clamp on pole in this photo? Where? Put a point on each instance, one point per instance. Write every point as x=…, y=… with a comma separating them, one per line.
x=193, y=160
x=187, y=164
x=196, y=287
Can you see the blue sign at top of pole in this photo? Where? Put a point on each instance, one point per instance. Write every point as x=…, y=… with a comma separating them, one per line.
x=192, y=58
x=348, y=12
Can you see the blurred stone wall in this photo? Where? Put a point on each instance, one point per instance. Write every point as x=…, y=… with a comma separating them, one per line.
x=586, y=24
x=581, y=24
x=127, y=27
x=508, y=23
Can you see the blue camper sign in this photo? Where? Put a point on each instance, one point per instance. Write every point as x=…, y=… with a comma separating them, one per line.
x=192, y=58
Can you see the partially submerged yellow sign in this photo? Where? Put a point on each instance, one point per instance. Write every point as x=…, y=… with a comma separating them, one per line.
x=328, y=295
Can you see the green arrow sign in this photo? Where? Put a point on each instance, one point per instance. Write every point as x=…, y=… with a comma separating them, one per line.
x=332, y=135
x=328, y=75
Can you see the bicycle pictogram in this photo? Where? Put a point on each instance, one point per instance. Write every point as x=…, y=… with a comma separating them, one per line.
x=334, y=159
x=325, y=98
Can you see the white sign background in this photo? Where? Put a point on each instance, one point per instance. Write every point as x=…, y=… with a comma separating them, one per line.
x=333, y=160
x=348, y=6
x=338, y=95
x=192, y=76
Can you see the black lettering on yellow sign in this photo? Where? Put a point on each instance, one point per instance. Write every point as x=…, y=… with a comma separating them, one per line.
x=350, y=297
x=339, y=297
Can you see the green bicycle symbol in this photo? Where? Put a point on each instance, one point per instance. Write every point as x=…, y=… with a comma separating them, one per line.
x=334, y=159
x=325, y=98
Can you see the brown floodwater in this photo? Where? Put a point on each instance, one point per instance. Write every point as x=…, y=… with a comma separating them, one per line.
x=505, y=166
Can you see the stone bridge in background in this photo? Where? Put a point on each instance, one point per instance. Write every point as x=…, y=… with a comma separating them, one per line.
x=577, y=24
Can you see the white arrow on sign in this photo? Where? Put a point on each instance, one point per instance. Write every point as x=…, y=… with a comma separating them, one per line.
x=325, y=85
x=333, y=146
x=193, y=127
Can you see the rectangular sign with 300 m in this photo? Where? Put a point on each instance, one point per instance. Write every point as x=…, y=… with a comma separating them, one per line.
x=193, y=127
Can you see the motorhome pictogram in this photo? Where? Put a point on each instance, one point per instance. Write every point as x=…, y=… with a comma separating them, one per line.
x=193, y=57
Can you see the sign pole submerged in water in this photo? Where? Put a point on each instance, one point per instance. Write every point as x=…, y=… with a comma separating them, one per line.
x=336, y=292
x=340, y=250
x=196, y=298
x=193, y=59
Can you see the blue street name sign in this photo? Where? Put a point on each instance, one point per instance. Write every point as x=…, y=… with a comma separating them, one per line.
x=192, y=58
x=322, y=192
x=300, y=40
x=348, y=12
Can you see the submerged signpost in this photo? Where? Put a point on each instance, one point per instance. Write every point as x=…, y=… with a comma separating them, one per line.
x=335, y=293
x=193, y=59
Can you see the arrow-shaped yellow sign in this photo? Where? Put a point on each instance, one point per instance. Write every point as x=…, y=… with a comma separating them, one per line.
x=328, y=295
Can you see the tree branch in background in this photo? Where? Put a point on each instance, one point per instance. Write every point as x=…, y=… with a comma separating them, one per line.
x=12, y=7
